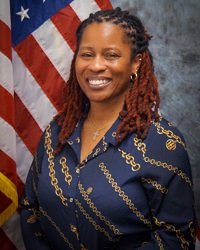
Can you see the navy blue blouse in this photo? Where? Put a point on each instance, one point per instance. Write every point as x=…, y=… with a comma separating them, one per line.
x=137, y=195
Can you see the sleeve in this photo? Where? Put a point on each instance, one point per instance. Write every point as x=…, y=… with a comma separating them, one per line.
x=168, y=184
x=33, y=235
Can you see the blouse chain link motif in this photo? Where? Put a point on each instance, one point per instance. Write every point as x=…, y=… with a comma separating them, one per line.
x=33, y=181
x=54, y=180
x=159, y=240
x=95, y=210
x=171, y=144
x=56, y=227
x=123, y=195
x=88, y=217
x=156, y=184
x=192, y=231
x=74, y=230
x=65, y=170
x=179, y=235
x=130, y=160
x=142, y=147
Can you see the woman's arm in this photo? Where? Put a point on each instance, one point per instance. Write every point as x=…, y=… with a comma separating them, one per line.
x=168, y=184
x=33, y=235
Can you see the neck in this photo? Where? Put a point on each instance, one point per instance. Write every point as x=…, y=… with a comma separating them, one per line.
x=104, y=113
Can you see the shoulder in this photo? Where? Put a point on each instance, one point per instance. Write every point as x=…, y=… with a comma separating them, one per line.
x=51, y=132
x=167, y=127
x=164, y=130
x=49, y=137
x=53, y=128
x=165, y=145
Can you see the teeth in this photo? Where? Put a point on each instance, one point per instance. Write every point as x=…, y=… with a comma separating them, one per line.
x=97, y=82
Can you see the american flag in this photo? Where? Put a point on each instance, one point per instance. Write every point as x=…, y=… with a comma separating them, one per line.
x=37, y=42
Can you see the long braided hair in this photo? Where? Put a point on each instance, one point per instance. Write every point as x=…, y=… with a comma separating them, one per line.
x=142, y=100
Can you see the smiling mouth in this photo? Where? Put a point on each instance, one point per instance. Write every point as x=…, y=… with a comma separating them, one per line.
x=99, y=82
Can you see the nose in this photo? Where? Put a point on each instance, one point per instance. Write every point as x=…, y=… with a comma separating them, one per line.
x=97, y=64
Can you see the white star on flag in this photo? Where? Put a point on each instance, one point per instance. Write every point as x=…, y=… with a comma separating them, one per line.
x=23, y=13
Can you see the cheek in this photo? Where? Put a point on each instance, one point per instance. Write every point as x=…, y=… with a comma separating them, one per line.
x=78, y=73
x=79, y=68
x=122, y=67
x=76, y=65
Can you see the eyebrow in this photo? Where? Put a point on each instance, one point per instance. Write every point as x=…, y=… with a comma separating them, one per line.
x=91, y=48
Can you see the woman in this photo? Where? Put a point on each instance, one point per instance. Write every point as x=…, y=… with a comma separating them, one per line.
x=109, y=172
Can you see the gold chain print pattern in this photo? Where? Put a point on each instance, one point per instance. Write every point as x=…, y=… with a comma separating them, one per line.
x=123, y=195
x=36, y=165
x=155, y=184
x=88, y=217
x=78, y=139
x=159, y=240
x=35, y=216
x=74, y=230
x=192, y=231
x=142, y=147
x=169, y=134
x=36, y=169
x=169, y=167
x=184, y=243
x=95, y=210
x=65, y=170
x=57, y=228
x=33, y=182
x=96, y=152
x=130, y=160
x=105, y=145
x=54, y=181
x=82, y=247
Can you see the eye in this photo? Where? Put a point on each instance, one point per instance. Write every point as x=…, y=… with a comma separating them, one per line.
x=86, y=55
x=111, y=55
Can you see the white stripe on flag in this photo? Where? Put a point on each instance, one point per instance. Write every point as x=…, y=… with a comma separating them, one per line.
x=55, y=47
x=31, y=94
x=12, y=229
x=6, y=80
x=23, y=159
x=4, y=10
x=84, y=8
x=7, y=139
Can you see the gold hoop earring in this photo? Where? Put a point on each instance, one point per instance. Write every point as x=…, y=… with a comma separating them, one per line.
x=134, y=76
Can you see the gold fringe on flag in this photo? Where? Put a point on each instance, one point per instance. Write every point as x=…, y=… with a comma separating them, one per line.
x=8, y=188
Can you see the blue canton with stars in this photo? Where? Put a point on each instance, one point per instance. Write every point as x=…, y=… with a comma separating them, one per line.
x=28, y=15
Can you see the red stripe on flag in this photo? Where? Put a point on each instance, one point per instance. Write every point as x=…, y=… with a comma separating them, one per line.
x=7, y=106
x=20, y=188
x=104, y=5
x=5, y=242
x=5, y=202
x=5, y=41
x=8, y=167
x=26, y=126
x=42, y=69
x=66, y=21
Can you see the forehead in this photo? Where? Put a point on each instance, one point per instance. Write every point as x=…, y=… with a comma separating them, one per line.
x=103, y=32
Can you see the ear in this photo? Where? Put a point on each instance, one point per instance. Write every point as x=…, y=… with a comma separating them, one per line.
x=136, y=63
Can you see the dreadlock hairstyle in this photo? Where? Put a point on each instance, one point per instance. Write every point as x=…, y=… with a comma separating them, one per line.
x=142, y=100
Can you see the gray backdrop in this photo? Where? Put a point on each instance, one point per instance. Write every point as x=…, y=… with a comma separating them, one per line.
x=176, y=50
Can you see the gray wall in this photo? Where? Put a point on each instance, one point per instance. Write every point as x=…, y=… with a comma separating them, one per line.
x=176, y=50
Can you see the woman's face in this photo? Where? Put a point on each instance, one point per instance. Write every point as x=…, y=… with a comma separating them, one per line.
x=103, y=64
